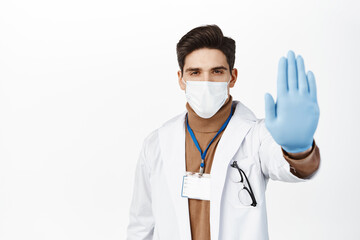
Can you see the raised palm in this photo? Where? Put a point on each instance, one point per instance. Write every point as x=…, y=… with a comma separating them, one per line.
x=293, y=119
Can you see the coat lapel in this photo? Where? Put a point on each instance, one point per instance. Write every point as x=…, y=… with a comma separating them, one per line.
x=172, y=144
x=239, y=125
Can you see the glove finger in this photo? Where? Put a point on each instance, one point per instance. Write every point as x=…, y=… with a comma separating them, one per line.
x=312, y=85
x=302, y=80
x=282, y=87
x=292, y=72
x=270, y=113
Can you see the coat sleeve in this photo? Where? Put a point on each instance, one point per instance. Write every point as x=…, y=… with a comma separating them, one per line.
x=141, y=220
x=274, y=162
x=303, y=164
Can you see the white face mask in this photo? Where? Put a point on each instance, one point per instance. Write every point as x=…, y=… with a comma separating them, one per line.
x=205, y=97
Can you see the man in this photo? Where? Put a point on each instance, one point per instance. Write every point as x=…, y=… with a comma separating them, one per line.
x=203, y=174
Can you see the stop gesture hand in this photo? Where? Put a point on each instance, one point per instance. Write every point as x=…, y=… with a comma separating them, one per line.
x=293, y=119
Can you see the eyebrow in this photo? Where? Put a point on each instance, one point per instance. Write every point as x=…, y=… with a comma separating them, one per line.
x=197, y=69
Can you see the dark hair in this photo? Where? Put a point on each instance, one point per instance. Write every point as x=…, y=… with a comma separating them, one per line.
x=207, y=36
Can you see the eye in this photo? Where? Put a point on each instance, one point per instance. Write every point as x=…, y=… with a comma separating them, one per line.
x=218, y=71
x=193, y=73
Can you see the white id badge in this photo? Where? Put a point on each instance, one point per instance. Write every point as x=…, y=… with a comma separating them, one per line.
x=196, y=186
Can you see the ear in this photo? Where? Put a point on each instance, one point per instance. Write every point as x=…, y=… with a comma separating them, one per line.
x=233, y=77
x=181, y=83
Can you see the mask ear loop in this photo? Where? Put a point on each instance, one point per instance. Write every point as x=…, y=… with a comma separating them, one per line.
x=182, y=79
x=228, y=88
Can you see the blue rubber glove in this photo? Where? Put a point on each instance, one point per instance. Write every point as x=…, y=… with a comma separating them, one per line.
x=292, y=121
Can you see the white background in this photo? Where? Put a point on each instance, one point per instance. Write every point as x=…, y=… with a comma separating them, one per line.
x=82, y=83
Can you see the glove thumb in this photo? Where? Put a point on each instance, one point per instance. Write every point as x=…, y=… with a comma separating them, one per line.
x=269, y=108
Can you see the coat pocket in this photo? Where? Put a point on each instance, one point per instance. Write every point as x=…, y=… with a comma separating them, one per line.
x=250, y=174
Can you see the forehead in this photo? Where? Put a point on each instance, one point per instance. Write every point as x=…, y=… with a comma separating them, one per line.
x=205, y=58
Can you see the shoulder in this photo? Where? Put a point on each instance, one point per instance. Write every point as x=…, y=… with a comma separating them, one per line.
x=245, y=113
x=174, y=120
x=151, y=147
x=151, y=141
x=168, y=123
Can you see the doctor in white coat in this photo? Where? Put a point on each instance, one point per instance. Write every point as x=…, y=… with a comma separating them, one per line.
x=159, y=207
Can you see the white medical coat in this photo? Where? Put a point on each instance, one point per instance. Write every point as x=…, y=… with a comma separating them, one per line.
x=157, y=209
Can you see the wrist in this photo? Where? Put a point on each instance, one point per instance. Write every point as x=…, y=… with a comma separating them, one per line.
x=299, y=150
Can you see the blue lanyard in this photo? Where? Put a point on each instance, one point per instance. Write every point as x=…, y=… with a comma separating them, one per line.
x=203, y=154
